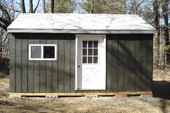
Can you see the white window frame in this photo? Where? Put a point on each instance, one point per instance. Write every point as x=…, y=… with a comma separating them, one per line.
x=42, y=51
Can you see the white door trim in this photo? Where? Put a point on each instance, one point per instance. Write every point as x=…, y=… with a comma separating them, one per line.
x=103, y=57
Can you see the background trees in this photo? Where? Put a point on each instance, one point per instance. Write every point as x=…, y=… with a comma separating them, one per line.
x=155, y=12
x=8, y=12
x=161, y=38
x=105, y=6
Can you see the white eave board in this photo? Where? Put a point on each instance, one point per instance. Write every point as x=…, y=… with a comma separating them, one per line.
x=80, y=23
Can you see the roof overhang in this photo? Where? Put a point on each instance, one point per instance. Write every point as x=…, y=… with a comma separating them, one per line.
x=82, y=31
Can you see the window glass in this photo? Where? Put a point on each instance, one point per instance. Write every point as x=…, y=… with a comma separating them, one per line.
x=95, y=60
x=35, y=51
x=84, y=43
x=89, y=44
x=95, y=43
x=95, y=51
x=84, y=51
x=84, y=59
x=42, y=52
x=89, y=59
x=90, y=52
x=49, y=52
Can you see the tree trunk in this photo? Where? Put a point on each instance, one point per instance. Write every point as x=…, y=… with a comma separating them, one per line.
x=30, y=6
x=52, y=6
x=162, y=45
x=1, y=35
x=43, y=2
x=125, y=7
x=165, y=15
x=134, y=7
x=166, y=30
x=92, y=7
x=157, y=34
x=22, y=5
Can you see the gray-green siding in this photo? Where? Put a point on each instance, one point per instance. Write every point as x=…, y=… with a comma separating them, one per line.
x=128, y=65
x=129, y=62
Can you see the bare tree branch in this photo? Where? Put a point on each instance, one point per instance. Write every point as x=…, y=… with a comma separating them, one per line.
x=15, y=10
x=139, y=4
x=4, y=21
x=6, y=37
x=18, y=3
x=36, y=6
x=3, y=27
x=5, y=12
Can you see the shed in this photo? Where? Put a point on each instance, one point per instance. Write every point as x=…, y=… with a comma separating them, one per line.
x=78, y=54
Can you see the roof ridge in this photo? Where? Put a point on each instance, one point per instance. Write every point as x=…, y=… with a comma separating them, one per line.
x=71, y=14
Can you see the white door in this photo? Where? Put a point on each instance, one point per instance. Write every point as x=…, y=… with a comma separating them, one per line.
x=91, y=62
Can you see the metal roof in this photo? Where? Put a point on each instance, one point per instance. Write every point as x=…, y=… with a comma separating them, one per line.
x=80, y=23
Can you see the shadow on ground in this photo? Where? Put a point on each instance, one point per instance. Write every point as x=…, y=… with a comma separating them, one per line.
x=161, y=89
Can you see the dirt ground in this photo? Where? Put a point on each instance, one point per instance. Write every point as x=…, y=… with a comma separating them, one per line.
x=159, y=103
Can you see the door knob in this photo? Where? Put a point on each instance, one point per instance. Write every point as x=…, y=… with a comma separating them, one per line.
x=78, y=66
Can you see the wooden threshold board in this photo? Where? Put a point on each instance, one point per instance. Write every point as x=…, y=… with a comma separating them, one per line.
x=78, y=94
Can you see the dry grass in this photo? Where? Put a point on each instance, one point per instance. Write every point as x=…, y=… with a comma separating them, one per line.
x=84, y=105
x=4, y=82
x=161, y=75
x=159, y=103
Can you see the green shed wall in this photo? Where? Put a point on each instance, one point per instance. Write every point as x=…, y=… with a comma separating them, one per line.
x=129, y=64
x=42, y=76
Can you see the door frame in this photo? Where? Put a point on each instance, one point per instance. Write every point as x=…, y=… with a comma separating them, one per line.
x=76, y=56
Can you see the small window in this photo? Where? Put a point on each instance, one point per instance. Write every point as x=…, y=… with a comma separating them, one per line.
x=90, y=52
x=42, y=52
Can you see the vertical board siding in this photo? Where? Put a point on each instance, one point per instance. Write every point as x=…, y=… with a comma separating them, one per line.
x=138, y=65
x=72, y=61
x=43, y=71
x=114, y=64
x=133, y=70
x=149, y=63
x=67, y=71
x=55, y=81
x=128, y=65
x=120, y=66
x=132, y=66
x=49, y=72
x=109, y=65
x=30, y=71
x=42, y=76
x=143, y=77
x=24, y=60
x=18, y=65
x=61, y=67
x=12, y=63
x=36, y=72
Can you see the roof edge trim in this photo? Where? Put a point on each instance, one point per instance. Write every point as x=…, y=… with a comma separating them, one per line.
x=83, y=31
